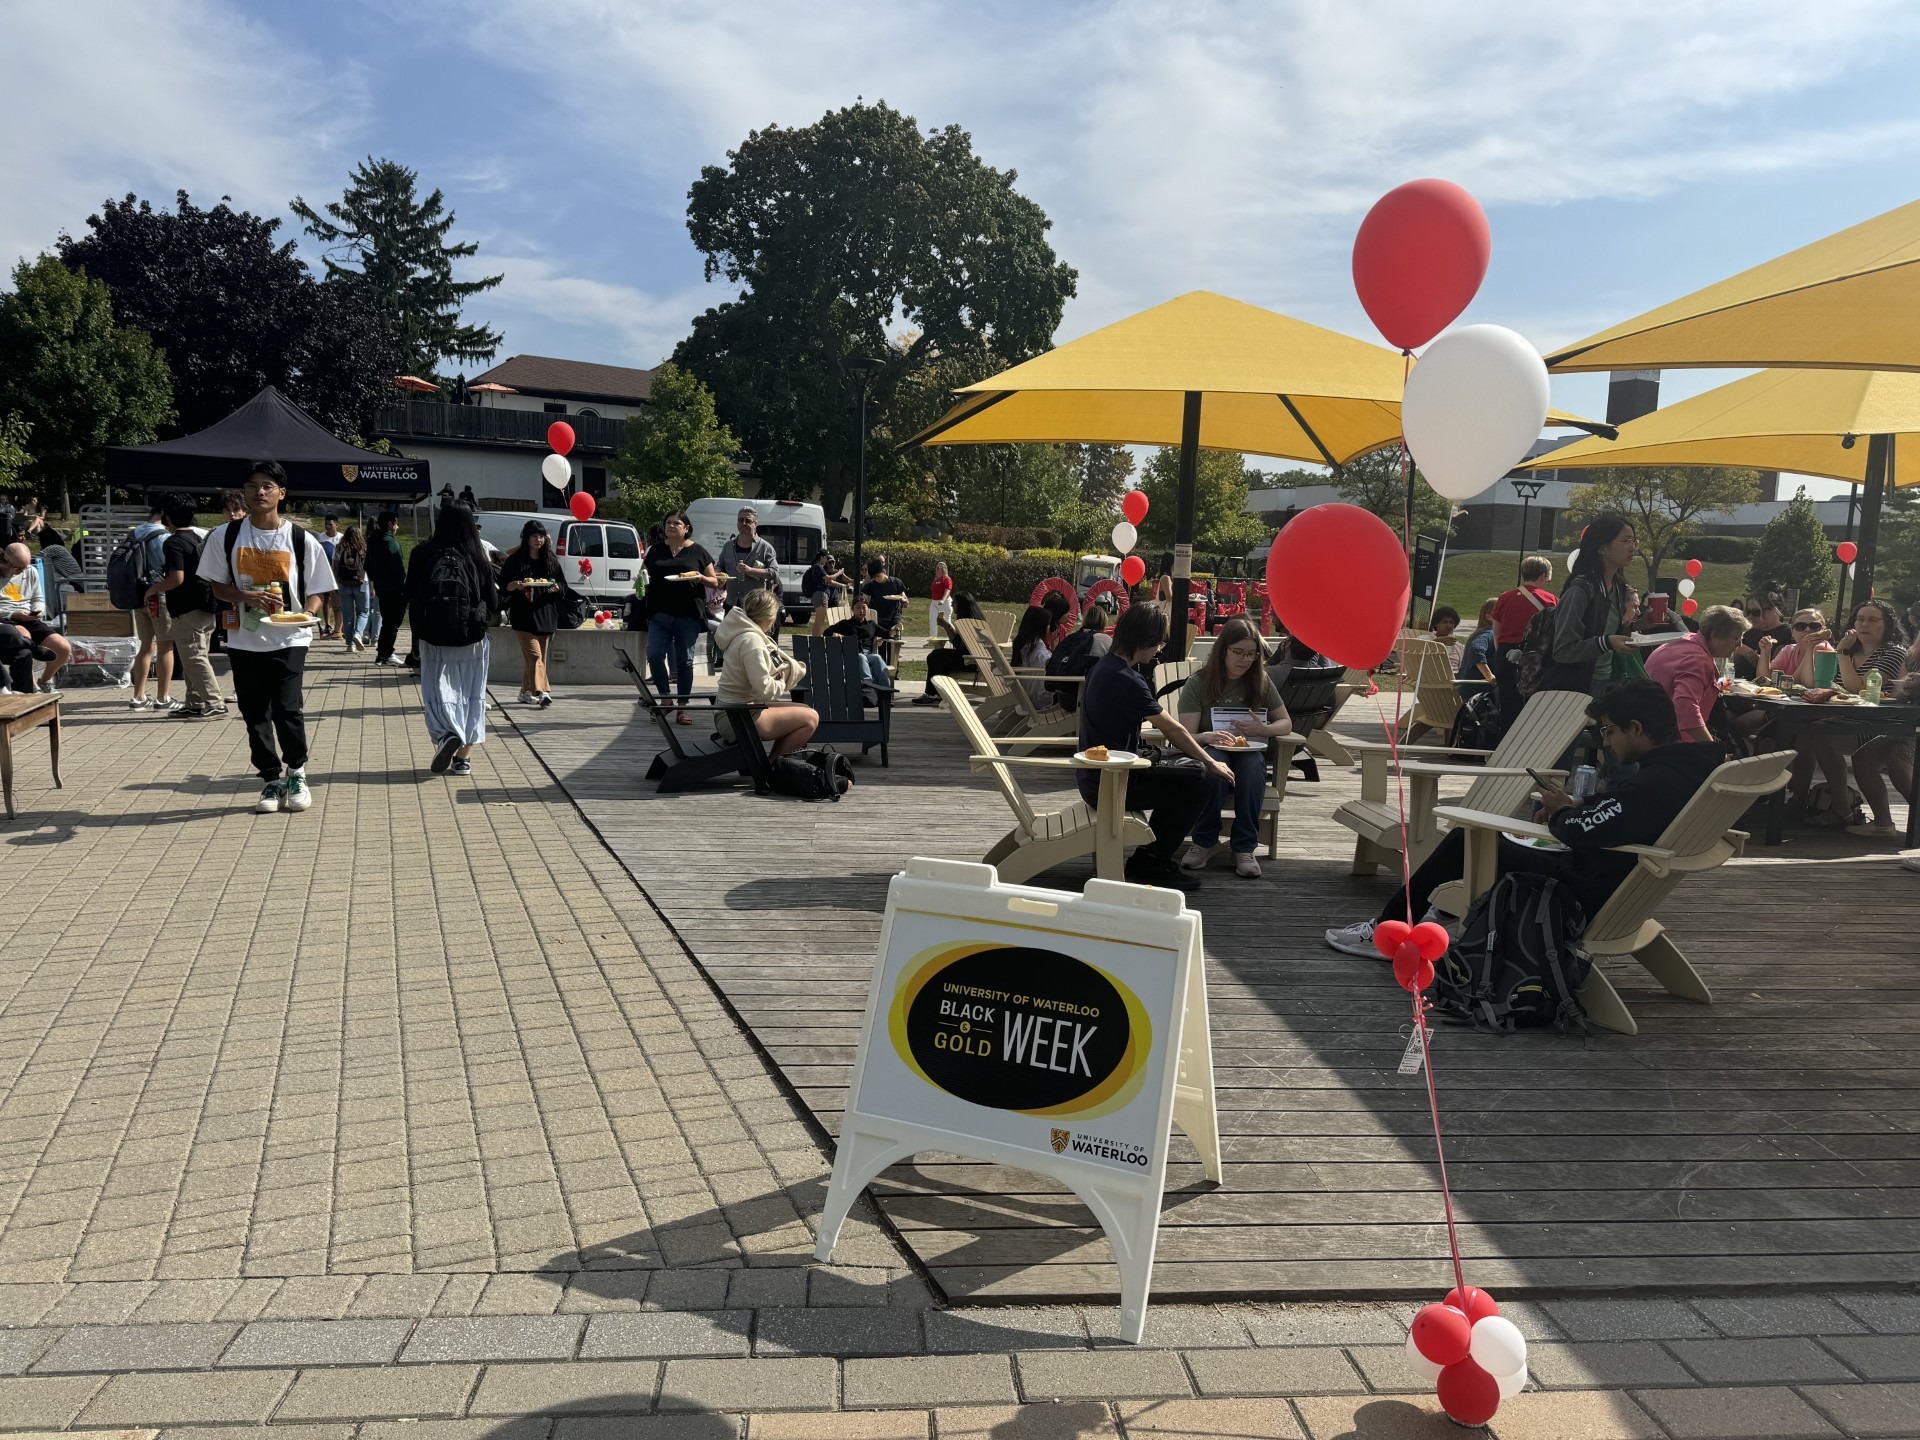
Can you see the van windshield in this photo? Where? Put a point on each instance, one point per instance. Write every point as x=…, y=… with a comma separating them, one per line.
x=793, y=544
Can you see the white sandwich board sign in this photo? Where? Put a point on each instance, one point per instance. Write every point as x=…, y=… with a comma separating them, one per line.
x=1059, y=1033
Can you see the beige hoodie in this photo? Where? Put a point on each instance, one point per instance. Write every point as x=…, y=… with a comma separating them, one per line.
x=754, y=671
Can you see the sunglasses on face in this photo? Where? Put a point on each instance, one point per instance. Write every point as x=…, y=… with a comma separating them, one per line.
x=1753, y=614
x=1807, y=625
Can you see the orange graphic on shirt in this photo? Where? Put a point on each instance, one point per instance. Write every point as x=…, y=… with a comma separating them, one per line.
x=259, y=568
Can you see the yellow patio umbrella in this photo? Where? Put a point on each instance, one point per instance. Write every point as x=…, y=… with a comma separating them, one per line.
x=1201, y=372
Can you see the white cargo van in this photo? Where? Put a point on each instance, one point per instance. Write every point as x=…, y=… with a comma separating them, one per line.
x=796, y=529
x=610, y=548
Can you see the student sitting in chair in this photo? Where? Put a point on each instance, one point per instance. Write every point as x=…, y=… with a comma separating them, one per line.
x=1637, y=722
x=861, y=625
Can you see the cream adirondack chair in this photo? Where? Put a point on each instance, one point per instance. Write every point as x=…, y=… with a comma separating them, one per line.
x=1009, y=711
x=1437, y=694
x=1701, y=837
x=1546, y=726
x=1041, y=839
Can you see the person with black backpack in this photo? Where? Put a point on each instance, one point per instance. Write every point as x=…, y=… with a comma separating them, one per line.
x=1076, y=655
x=1637, y=722
x=266, y=566
x=190, y=606
x=452, y=598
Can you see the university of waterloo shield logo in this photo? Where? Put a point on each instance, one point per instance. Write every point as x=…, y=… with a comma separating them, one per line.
x=1060, y=1139
x=349, y=473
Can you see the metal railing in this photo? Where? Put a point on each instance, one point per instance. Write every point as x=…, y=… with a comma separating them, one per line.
x=433, y=419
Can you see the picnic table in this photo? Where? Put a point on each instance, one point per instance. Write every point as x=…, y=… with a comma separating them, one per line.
x=18, y=715
x=1788, y=718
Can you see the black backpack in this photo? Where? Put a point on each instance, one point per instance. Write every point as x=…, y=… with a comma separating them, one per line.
x=1518, y=965
x=1532, y=659
x=1074, y=657
x=129, y=576
x=816, y=774
x=452, y=609
x=1478, y=725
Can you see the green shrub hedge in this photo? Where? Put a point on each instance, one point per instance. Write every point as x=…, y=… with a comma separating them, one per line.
x=1721, y=549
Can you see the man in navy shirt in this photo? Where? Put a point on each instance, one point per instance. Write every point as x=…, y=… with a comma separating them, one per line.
x=1116, y=700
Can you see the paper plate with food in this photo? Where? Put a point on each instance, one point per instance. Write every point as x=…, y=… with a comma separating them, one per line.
x=292, y=617
x=1101, y=755
x=1243, y=742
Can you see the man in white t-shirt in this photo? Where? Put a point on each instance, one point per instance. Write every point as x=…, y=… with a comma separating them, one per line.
x=253, y=566
x=23, y=604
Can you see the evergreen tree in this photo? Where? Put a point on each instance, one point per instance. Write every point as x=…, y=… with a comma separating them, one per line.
x=79, y=380
x=1103, y=471
x=1793, y=554
x=395, y=248
x=675, y=451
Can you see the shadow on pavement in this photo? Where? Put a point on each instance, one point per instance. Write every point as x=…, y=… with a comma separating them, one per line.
x=689, y=1419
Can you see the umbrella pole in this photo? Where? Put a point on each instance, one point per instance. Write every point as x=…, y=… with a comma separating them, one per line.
x=1184, y=506
x=1879, y=454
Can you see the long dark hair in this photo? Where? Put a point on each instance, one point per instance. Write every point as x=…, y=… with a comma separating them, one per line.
x=545, y=565
x=1237, y=631
x=453, y=527
x=1034, y=625
x=965, y=607
x=1893, y=635
x=353, y=543
x=1601, y=532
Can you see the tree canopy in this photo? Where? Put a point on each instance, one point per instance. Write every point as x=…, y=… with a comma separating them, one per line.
x=837, y=232
x=1375, y=484
x=233, y=309
x=1793, y=554
x=1103, y=472
x=393, y=247
x=1221, y=525
x=80, y=381
x=1665, y=503
x=675, y=451
x=14, y=458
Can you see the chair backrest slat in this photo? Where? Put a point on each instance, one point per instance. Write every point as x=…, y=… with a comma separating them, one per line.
x=1548, y=723
x=979, y=643
x=979, y=742
x=834, y=675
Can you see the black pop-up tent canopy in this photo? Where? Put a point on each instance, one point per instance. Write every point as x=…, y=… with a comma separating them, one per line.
x=268, y=427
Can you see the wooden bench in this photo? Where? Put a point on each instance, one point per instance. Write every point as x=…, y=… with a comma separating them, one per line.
x=18, y=715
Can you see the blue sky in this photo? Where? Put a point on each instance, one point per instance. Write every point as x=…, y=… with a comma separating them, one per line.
x=1626, y=151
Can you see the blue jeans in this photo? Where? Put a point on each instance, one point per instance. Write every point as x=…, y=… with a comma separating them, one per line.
x=876, y=669
x=1249, y=789
x=371, y=630
x=355, y=601
x=676, y=633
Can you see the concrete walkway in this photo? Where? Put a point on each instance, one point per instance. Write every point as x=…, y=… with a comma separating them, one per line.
x=410, y=1109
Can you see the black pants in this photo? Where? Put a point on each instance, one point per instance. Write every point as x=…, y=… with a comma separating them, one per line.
x=1449, y=862
x=1174, y=797
x=1508, y=684
x=267, y=686
x=16, y=654
x=945, y=661
x=393, y=609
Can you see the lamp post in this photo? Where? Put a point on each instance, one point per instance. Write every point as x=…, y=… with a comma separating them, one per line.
x=1526, y=489
x=864, y=368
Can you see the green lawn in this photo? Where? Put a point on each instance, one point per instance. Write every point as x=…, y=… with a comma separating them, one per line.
x=1470, y=579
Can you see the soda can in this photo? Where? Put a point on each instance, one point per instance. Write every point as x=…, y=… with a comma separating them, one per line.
x=1585, y=779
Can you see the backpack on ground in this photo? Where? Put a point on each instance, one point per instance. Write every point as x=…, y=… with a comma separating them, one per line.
x=452, y=608
x=837, y=767
x=129, y=575
x=803, y=781
x=1518, y=964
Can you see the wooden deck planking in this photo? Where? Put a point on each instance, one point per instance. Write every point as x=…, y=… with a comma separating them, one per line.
x=1770, y=1139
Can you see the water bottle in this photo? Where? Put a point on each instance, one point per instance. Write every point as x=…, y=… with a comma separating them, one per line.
x=1870, y=692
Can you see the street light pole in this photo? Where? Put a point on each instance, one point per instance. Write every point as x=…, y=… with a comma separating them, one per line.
x=1526, y=489
x=865, y=367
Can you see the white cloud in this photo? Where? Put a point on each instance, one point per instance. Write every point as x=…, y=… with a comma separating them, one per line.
x=107, y=96
x=629, y=325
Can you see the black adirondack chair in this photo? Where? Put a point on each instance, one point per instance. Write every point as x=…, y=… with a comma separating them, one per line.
x=1308, y=693
x=689, y=760
x=835, y=685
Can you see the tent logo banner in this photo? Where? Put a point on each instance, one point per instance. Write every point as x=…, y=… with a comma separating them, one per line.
x=349, y=473
x=388, y=472
x=1021, y=1028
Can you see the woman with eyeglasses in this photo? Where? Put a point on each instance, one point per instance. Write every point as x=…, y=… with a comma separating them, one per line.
x=1234, y=679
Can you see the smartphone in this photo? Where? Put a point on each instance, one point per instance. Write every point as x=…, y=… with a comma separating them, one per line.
x=1542, y=781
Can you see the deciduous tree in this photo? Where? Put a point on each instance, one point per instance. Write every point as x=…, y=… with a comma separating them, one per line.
x=1375, y=483
x=1221, y=523
x=675, y=451
x=1103, y=472
x=1665, y=503
x=835, y=233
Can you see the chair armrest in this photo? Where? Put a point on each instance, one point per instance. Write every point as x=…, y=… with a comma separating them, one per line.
x=1044, y=762
x=1424, y=767
x=1364, y=745
x=1037, y=740
x=1487, y=820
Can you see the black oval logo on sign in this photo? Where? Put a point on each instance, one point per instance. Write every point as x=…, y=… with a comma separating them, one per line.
x=1018, y=1028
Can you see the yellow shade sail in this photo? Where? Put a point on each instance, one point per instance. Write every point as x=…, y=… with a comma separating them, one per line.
x=1795, y=420
x=1851, y=300
x=1270, y=385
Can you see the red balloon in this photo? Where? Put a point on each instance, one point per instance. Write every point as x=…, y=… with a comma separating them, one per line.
x=1474, y=1303
x=560, y=437
x=1411, y=971
x=581, y=505
x=1847, y=551
x=1338, y=580
x=1133, y=505
x=1443, y=1335
x=1689, y=605
x=1133, y=569
x=1468, y=1393
x=1694, y=567
x=1390, y=935
x=1432, y=939
x=1419, y=259
x=586, y=567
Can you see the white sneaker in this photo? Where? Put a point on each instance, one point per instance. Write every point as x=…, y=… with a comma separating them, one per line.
x=1874, y=832
x=1246, y=865
x=140, y=704
x=47, y=687
x=171, y=707
x=1197, y=857
x=527, y=697
x=1354, y=939
x=299, y=793
x=269, y=802
x=1912, y=862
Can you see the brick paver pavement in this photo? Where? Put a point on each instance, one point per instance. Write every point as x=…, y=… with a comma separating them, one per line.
x=406, y=1119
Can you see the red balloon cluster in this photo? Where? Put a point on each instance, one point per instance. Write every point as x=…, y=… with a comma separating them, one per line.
x=1847, y=552
x=1419, y=258
x=1413, y=949
x=1133, y=569
x=581, y=504
x=1133, y=505
x=1474, y=1357
x=560, y=437
x=1338, y=581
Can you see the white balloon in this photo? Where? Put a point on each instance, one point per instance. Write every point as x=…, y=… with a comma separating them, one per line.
x=1512, y=1385
x=1686, y=589
x=1474, y=405
x=1125, y=537
x=1497, y=1346
x=1423, y=1367
x=1573, y=559
x=556, y=471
